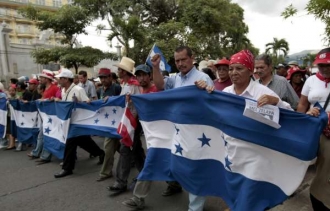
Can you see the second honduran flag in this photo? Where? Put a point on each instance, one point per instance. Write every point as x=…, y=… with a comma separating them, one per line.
x=204, y=142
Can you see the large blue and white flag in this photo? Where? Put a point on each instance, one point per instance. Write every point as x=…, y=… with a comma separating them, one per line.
x=97, y=118
x=55, y=124
x=163, y=63
x=27, y=121
x=3, y=117
x=189, y=136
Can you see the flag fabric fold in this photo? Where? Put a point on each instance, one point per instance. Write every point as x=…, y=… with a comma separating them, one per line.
x=55, y=124
x=27, y=121
x=127, y=127
x=194, y=140
x=3, y=117
x=163, y=63
x=97, y=118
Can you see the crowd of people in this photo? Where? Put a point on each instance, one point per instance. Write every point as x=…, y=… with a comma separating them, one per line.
x=288, y=86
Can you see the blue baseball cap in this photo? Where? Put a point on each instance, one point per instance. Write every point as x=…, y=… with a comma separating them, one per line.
x=143, y=67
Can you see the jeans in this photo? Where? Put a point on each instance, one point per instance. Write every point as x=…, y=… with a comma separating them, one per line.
x=196, y=203
x=39, y=150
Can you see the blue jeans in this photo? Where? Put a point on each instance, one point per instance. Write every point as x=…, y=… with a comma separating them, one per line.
x=39, y=150
x=196, y=203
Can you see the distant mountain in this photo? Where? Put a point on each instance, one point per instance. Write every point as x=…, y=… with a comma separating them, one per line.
x=299, y=56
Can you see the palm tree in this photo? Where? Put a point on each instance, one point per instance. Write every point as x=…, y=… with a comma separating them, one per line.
x=277, y=46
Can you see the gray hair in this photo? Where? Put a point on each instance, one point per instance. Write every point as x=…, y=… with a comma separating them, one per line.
x=266, y=58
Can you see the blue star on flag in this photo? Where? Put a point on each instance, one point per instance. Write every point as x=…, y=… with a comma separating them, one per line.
x=22, y=123
x=50, y=120
x=178, y=148
x=22, y=115
x=205, y=140
x=47, y=130
x=98, y=111
x=96, y=121
x=114, y=111
x=177, y=129
x=32, y=120
x=106, y=115
x=228, y=163
x=113, y=122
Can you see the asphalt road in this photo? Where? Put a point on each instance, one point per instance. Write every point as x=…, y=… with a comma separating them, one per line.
x=25, y=186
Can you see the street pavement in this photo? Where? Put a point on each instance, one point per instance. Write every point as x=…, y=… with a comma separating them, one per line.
x=25, y=186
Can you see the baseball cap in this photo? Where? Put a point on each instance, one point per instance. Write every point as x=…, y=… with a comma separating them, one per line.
x=323, y=57
x=104, y=72
x=65, y=73
x=142, y=67
x=33, y=81
x=21, y=85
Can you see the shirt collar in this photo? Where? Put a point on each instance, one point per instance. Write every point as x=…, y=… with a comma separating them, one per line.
x=248, y=92
x=191, y=72
x=70, y=87
x=271, y=80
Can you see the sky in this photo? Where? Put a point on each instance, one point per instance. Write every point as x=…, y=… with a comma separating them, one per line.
x=263, y=17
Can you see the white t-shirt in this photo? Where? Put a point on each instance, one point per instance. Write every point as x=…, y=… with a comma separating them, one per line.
x=314, y=89
x=74, y=90
x=255, y=90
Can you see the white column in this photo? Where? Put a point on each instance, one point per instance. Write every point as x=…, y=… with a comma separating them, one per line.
x=4, y=44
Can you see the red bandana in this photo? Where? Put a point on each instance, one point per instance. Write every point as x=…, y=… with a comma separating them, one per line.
x=132, y=81
x=326, y=80
x=244, y=57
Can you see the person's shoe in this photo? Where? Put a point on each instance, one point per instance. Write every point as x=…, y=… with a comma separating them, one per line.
x=63, y=173
x=61, y=163
x=101, y=159
x=42, y=161
x=134, y=203
x=102, y=178
x=19, y=147
x=10, y=148
x=116, y=190
x=171, y=191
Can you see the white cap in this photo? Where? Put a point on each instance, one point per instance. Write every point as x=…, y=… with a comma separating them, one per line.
x=65, y=73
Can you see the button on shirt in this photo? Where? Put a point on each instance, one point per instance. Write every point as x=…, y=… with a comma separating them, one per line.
x=74, y=91
x=179, y=80
x=89, y=88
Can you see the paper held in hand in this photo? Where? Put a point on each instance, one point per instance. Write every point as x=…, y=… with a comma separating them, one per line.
x=266, y=114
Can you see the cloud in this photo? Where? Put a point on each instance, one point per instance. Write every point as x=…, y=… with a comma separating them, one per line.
x=270, y=7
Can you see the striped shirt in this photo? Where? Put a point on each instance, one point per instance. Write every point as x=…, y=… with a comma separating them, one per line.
x=284, y=90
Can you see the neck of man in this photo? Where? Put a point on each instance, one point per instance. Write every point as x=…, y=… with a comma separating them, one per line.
x=66, y=86
x=265, y=80
x=146, y=88
x=223, y=79
x=126, y=78
x=239, y=89
x=107, y=86
x=183, y=74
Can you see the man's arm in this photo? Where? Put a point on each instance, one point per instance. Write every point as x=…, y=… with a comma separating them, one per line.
x=157, y=76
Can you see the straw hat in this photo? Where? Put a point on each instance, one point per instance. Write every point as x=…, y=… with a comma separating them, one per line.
x=126, y=64
x=47, y=74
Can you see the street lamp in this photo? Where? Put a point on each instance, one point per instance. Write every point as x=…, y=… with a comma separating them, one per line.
x=118, y=50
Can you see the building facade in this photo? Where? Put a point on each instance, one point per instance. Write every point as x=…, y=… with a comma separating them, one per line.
x=19, y=36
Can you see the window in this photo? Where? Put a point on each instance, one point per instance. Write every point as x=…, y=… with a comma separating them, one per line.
x=40, y=2
x=57, y=3
x=23, y=28
x=3, y=11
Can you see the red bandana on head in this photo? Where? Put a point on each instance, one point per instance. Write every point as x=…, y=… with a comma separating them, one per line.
x=244, y=57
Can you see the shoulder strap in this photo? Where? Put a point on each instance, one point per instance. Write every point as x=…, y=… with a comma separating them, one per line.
x=326, y=102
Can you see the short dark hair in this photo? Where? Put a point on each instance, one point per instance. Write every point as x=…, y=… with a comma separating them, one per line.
x=182, y=48
x=83, y=73
x=266, y=58
x=42, y=87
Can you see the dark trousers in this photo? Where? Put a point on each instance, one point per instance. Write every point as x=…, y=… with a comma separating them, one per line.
x=126, y=154
x=318, y=205
x=86, y=143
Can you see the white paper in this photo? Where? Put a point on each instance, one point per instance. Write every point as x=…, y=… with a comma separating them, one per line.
x=266, y=114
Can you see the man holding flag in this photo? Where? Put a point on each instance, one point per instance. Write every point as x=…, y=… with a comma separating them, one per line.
x=72, y=92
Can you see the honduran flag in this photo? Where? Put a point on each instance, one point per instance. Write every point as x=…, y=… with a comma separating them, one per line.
x=27, y=121
x=127, y=127
x=97, y=117
x=55, y=124
x=3, y=117
x=204, y=142
x=163, y=63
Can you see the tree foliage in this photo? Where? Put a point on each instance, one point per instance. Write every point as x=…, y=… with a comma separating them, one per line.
x=212, y=28
x=278, y=46
x=320, y=9
x=71, y=57
x=68, y=21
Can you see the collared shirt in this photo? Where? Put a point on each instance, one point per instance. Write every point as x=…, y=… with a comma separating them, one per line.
x=284, y=90
x=179, y=80
x=255, y=91
x=74, y=91
x=112, y=90
x=89, y=88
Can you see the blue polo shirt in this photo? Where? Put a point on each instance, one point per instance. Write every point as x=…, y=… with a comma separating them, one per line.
x=179, y=80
